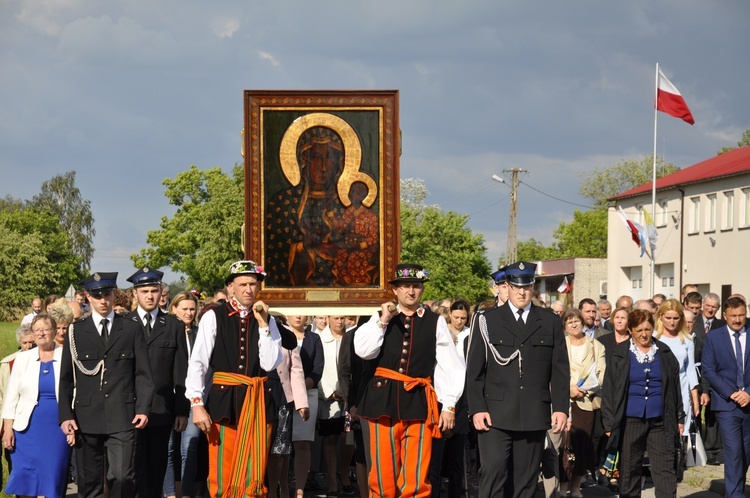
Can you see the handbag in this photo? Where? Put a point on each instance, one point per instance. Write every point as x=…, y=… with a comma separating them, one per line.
x=567, y=456
x=695, y=452
x=282, y=443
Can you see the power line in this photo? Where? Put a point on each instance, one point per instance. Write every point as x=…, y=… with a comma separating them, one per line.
x=556, y=198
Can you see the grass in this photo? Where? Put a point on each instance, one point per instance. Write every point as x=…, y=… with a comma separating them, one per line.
x=8, y=344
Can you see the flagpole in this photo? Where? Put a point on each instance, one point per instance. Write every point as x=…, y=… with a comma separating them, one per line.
x=653, y=176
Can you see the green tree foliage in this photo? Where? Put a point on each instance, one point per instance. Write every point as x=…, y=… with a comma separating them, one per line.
x=36, y=259
x=584, y=237
x=744, y=142
x=533, y=250
x=601, y=184
x=203, y=237
x=447, y=248
x=61, y=197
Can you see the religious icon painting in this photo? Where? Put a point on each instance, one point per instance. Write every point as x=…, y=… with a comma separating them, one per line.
x=322, y=195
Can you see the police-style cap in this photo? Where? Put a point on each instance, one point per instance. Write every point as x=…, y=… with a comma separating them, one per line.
x=499, y=275
x=100, y=282
x=245, y=267
x=520, y=273
x=146, y=276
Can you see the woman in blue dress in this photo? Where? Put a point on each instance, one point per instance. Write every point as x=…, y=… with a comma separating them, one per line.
x=29, y=413
x=671, y=330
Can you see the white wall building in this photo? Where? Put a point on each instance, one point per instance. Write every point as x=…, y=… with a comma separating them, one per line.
x=702, y=218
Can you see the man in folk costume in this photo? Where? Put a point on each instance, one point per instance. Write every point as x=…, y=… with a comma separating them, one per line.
x=416, y=365
x=238, y=342
x=517, y=374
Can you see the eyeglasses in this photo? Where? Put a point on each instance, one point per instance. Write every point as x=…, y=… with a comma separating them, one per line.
x=520, y=288
x=43, y=331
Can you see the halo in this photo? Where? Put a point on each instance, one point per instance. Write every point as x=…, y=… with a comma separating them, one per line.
x=352, y=154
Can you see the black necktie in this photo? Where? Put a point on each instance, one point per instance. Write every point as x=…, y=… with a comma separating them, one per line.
x=105, y=331
x=148, y=325
x=520, y=318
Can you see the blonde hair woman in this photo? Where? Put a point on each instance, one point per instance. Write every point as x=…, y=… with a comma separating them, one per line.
x=671, y=330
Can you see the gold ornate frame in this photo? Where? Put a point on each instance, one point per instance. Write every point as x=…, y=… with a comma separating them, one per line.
x=367, y=124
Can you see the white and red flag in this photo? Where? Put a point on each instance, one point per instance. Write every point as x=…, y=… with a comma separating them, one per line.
x=669, y=100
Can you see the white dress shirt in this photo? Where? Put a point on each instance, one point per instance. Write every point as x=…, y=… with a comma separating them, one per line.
x=450, y=370
x=269, y=352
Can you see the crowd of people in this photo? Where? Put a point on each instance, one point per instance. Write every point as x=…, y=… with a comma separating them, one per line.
x=139, y=393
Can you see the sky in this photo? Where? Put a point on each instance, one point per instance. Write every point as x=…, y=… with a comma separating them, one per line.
x=130, y=93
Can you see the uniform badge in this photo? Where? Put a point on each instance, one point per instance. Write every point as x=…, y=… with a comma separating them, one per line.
x=520, y=266
x=97, y=277
x=145, y=269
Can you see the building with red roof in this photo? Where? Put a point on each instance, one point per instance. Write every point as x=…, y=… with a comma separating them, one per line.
x=702, y=222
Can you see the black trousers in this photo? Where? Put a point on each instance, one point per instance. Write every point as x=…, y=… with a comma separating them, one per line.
x=448, y=458
x=119, y=449
x=151, y=452
x=639, y=435
x=503, y=452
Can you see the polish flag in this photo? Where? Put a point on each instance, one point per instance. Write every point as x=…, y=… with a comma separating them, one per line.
x=564, y=286
x=669, y=100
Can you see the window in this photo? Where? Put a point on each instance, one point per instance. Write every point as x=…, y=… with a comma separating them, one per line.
x=745, y=208
x=711, y=213
x=661, y=214
x=727, y=213
x=695, y=214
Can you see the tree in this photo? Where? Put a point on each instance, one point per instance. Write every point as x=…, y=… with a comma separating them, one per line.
x=744, y=141
x=61, y=197
x=584, y=237
x=36, y=259
x=22, y=266
x=601, y=184
x=203, y=237
x=533, y=250
x=447, y=248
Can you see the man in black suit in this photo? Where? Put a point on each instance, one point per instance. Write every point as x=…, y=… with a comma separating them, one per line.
x=167, y=352
x=705, y=322
x=105, y=392
x=517, y=373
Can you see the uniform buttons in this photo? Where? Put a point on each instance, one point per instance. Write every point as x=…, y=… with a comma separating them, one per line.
x=404, y=351
x=403, y=360
x=406, y=334
x=406, y=343
x=242, y=348
x=645, y=397
x=521, y=344
x=400, y=370
x=521, y=387
x=105, y=382
x=106, y=395
x=105, y=356
x=242, y=357
x=407, y=326
x=242, y=366
x=379, y=384
x=243, y=339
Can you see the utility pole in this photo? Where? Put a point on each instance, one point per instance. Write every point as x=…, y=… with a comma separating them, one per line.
x=511, y=254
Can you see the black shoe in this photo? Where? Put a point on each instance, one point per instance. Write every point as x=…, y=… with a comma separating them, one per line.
x=713, y=461
x=347, y=490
